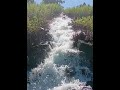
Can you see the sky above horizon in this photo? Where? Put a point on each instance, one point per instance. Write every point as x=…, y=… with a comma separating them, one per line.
x=72, y=3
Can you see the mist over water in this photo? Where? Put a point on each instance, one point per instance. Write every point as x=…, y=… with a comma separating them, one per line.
x=62, y=69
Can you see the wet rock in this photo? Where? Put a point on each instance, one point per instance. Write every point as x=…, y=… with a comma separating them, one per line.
x=86, y=88
x=89, y=83
x=69, y=24
x=75, y=38
x=36, y=47
x=69, y=72
x=28, y=80
x=87, y=48
x=82, y=36
x=64, y=17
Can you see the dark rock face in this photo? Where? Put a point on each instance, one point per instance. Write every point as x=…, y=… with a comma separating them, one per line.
x=82, y=36
x=37, y=56
x=83, y=45
x=36, y=48
x=83, y=42
x=88, y=50
x=87, y=37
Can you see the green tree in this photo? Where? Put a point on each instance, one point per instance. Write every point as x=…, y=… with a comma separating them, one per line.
x=53, y=1
x=84, y=4
x=80, y=11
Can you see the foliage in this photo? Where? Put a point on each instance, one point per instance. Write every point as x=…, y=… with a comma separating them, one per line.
x=79, y=11
x=53, y=1
x=38, y=15
x=84, y=23
x=82, y=15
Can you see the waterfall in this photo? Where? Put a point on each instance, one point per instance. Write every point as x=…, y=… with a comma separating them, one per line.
x=62, y=69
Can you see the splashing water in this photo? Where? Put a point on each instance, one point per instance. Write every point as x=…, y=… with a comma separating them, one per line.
x=62, y=69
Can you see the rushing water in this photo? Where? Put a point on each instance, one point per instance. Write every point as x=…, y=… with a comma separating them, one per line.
x=62, y=69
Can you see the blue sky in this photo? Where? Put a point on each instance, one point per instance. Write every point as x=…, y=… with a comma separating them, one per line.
x=72, y=3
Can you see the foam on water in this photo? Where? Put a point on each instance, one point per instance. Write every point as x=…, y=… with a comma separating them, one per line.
x=50, y=75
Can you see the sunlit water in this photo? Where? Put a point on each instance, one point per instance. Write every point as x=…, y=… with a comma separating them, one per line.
x=51, y=75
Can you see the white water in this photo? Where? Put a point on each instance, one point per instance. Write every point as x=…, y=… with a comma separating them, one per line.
x=51, y=74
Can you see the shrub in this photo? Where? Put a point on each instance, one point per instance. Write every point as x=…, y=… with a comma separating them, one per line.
x=38, y=15
x=81, y=11
x=84, y=23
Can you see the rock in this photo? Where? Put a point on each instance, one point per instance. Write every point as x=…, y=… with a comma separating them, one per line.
x=75, y=38
x=87, y=48
x=69, y=72
x=89, y=83
x=28, y=80
x=86, y=88
x=82, y=36
x=64, y=17
x=36, y=47
x=69, y=24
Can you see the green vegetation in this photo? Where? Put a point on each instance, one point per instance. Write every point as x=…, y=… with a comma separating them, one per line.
x=53, y=1
x=82, y=15
x=79, y=11
x=84, y=23
x=38, y=15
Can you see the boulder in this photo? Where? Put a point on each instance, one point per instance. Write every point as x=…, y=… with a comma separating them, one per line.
x=82, y=36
